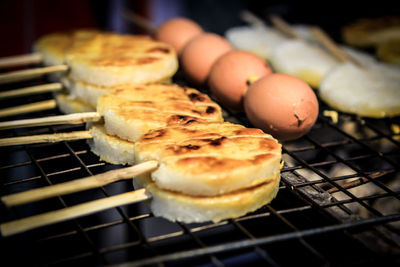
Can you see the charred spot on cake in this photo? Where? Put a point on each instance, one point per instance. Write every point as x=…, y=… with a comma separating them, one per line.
x=179, y=119
x=189, y=122
x=183, y=149
x=158, y=49
x=113, y=62
x=217, y=142
x=249, y=131
x=196, y=97
x=267, y=144
x=146, y=60
x=196, y=111
x=154, y=134
x=261, y=158
x=191, y=147
x=211, y=110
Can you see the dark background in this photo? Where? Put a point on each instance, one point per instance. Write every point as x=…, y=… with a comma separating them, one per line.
x=23, y=21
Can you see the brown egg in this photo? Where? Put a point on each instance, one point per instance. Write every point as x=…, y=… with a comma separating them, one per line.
x=199, y=55
x=231, y=75
x=282, y=105
x=177, y=32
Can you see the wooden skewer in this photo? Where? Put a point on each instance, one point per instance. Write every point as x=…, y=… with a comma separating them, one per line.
x=79, y=184
x=20, y=60
x=25, y=224
x=251, y=19
x=319, y=35
x=76, y=118
x=45, y=138
x=332, y=47
x=22, y=75
x=283, y=26
x=33, y=107
x=360, y=181
x=38, y=89
x=140, y=21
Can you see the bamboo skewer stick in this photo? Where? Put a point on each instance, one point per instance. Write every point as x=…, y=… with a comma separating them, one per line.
x=360, y=181
x=320, y=37
x=25, y=224
x=79, y=184
x=33, y=107
x=332, y=47
x=283, y=26
x=76, y=118
x=45, y=138
x=251, y=19
x=20, y=60
x=44, y=88
x=21, y=75
x=139, y=21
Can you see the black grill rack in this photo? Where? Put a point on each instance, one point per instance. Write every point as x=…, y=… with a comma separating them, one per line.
x=306, y=224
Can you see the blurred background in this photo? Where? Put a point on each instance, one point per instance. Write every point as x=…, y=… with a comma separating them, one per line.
x=23, y=21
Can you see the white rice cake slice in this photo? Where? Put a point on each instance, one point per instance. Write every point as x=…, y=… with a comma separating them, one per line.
x=260, y=41
x=68, y=104
x=110, y=148
x=373, y=91
x=303, y=60
x=176, y=206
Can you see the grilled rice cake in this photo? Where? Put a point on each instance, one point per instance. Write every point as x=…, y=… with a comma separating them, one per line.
x=389, y=51
x=175, y=206
x=215, y=164
x=111, y=59
x=159, y=92
x=372, y=91
x=192, y=129
x=110, y=148
x=366, y=32
x=303, y=60
x=68, y=104
x=131, y=119
x=54, y=46
x=90, y=93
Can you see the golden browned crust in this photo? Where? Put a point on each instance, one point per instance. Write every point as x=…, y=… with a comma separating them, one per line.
x=192, y=129
x=215, y=146
x=213, y=161
x=159, y=92
x=371, y=31
x=54, y=46
x=389, y=51
x=111, y=59
x=130, y=115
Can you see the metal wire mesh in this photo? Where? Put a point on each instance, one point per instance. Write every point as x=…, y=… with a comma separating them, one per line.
x=318, y=217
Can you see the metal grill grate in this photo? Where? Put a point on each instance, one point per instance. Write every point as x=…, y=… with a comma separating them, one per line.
x=305, y=224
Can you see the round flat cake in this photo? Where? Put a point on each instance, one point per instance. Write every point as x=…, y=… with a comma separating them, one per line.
x=112, y=59
x=373, y=91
